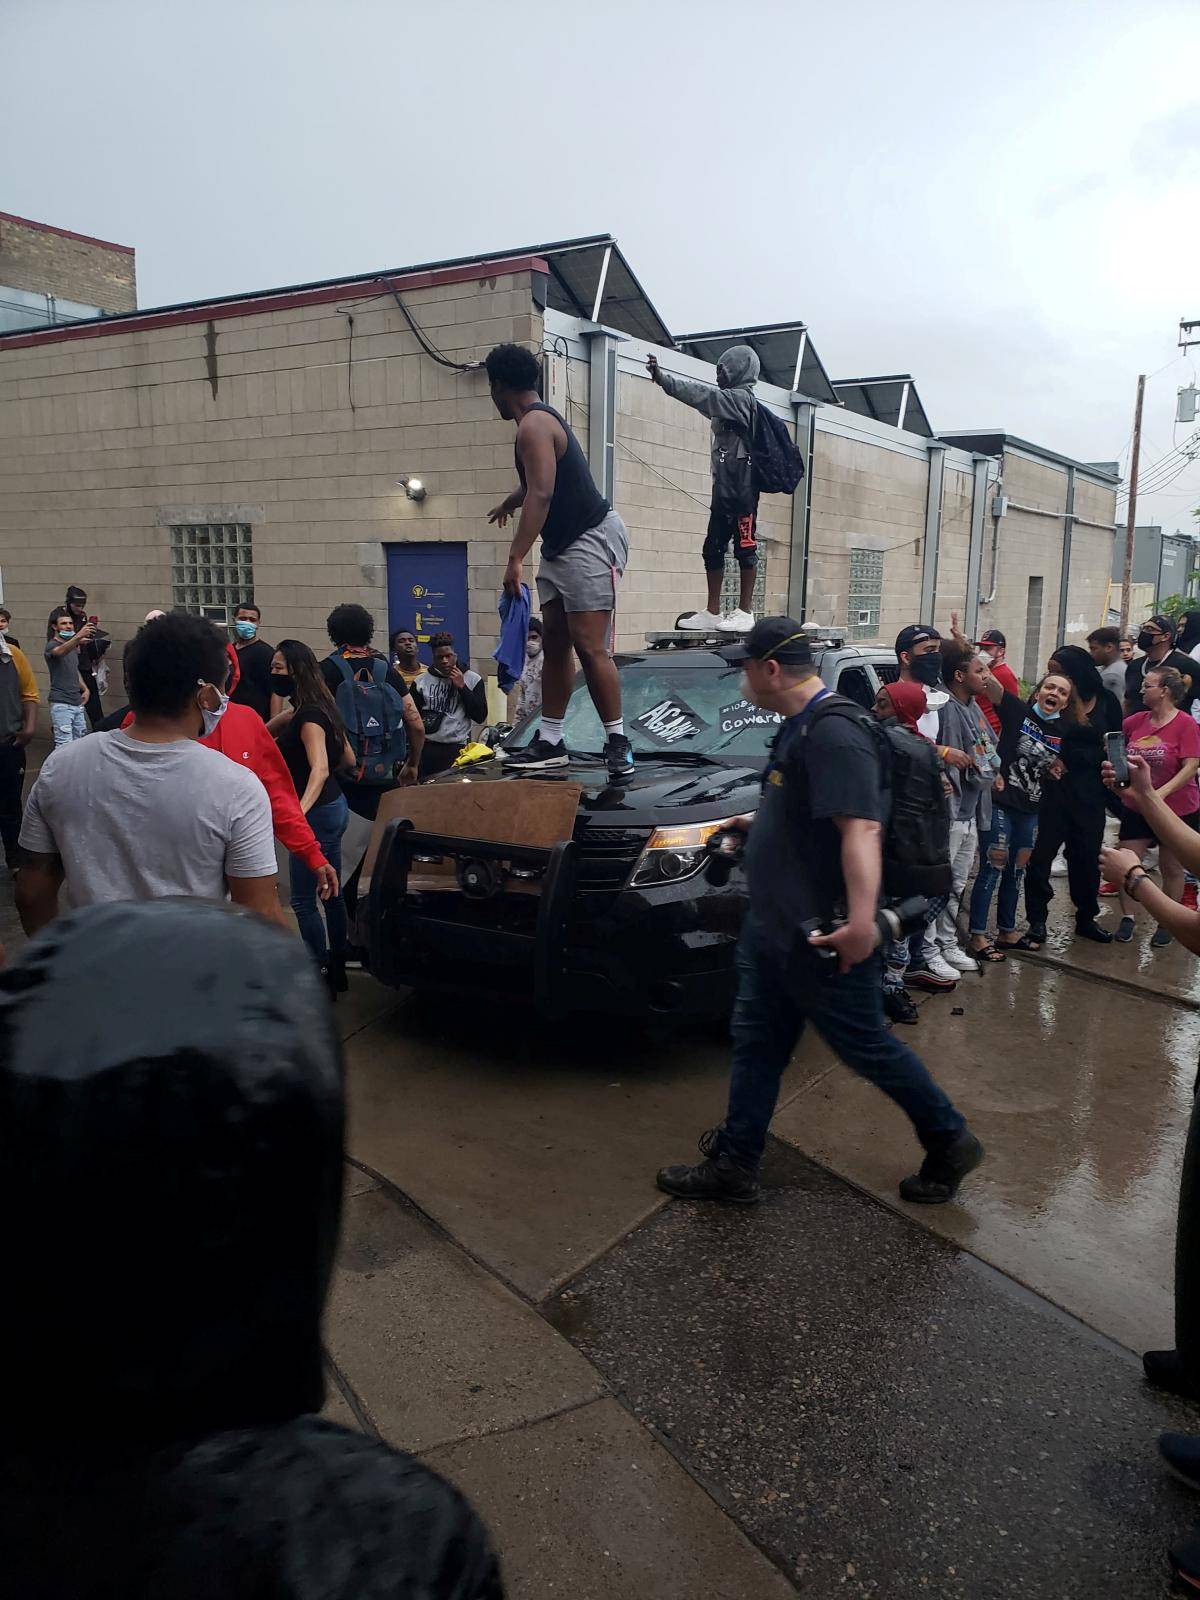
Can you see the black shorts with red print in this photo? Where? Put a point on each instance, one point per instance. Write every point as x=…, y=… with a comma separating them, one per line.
x=724, y=527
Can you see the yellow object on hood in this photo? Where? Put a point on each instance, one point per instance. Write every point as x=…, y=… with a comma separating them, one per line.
x=473, y=752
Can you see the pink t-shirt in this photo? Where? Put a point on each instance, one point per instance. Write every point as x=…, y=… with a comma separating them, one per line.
x=1165, y=750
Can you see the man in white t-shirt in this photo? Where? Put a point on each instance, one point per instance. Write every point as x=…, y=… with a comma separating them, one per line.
x=147, y=812
x=451, y=698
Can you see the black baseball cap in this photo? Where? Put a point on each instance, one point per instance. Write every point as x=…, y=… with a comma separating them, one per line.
x=779, y=639
x=915, y=633
x=994, y=636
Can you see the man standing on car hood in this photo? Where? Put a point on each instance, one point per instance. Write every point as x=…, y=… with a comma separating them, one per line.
x=814, y=854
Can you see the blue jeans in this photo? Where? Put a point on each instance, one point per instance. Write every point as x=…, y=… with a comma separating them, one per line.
x=69, y=723
x=329, y=824
x=1004, y=849
x=775, y=1000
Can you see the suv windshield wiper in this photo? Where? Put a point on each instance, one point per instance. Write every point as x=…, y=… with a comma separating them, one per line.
x=689, y=757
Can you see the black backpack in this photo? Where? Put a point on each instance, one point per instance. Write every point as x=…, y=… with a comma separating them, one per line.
x=916, y=836
x=775, y=462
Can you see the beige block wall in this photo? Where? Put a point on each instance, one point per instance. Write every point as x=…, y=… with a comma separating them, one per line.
x=1091, y=560
x=864, y=496
x=663, y=490
x=954, y=547
x=1030, y=546
x=102, y=440
x=44, y=261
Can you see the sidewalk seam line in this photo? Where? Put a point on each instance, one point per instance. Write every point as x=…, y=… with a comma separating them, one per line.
x=526, y=1422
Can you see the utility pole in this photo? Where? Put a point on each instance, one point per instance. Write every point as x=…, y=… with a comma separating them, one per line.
x=1131, y=520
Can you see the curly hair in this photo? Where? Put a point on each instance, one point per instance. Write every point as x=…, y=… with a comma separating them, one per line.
x=513, y=367
x=439, y=639
x=350, y=624
x=168, y=659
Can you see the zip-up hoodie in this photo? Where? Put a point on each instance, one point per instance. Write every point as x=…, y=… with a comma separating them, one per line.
x=170, y=1192
x=730, y=405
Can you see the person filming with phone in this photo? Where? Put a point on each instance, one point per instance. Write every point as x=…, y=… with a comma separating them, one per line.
x=1167, y=740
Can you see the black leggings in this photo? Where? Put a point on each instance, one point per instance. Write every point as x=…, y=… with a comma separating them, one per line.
x=1081, y=830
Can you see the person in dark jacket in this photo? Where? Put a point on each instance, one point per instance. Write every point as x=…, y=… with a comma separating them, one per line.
x=733, y=515
x=91, y=652
x=1073, y=809
x=1156, y=639
x=165, y=1293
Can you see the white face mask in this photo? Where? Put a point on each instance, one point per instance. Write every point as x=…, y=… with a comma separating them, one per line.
x=211, y=718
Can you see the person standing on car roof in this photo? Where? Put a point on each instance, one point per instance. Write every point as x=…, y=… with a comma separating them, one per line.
x=733, y=517
x=585, y=547
x=814, y=853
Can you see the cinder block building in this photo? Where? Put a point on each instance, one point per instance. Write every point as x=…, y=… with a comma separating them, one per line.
x=50, y=275
x=258, y=444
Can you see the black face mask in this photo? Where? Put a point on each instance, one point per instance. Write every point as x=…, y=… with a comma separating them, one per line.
x=1148, y=641
x=281, y=684
x=927, y=669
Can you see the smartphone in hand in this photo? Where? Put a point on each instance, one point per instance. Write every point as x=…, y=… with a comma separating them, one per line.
x=1114, y=750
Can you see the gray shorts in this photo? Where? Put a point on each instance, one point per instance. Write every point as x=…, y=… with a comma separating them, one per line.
x=586, y=575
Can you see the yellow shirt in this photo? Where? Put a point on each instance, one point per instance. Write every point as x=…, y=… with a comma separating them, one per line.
x=29, y=688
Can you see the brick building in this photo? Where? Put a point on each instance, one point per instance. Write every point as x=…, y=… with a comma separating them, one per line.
x=193, y=454
x=50, y=275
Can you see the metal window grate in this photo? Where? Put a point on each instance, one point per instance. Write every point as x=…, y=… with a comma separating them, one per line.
x=212, y=570
x=864, y=600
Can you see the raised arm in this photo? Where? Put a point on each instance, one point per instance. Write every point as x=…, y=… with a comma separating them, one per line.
x=725, y=405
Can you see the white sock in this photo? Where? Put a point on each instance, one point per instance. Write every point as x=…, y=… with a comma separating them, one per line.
x=551, y=730
x=615, y=727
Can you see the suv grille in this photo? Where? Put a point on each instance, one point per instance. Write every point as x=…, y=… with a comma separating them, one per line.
x=607, y=856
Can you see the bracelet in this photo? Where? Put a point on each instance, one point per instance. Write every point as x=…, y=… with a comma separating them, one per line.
x=1140, y=879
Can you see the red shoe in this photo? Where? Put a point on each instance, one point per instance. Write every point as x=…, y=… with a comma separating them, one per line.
x=1189, y=897
x=1108, y=888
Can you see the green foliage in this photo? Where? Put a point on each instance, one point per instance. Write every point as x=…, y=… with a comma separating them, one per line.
x=1175, y=605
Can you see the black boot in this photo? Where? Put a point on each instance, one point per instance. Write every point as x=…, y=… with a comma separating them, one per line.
x=336, y=968
x=1094, y=932
x=942, y=1171
x=328, y=980
x=1165, y=1370
x=717, y=1177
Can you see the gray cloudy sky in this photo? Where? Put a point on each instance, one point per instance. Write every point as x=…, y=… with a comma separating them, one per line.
x=1002, y=201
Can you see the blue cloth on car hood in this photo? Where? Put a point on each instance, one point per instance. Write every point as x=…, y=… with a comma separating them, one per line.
x=514, y=631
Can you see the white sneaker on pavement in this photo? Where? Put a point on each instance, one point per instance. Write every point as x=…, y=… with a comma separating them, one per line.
x=941, y=968
x=1058, y=867
x=737, y=622
x=700, y=622
x=960, y=960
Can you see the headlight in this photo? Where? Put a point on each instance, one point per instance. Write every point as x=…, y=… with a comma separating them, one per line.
x=674, y=853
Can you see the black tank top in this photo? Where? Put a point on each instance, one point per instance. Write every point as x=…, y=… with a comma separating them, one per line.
x=576, y=504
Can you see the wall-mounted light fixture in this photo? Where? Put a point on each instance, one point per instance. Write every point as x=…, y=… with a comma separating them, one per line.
x=413, y=487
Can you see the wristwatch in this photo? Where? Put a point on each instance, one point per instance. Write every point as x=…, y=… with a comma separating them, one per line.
x=1142, y=875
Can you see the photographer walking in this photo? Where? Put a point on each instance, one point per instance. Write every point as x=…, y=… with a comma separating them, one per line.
x=814, y=854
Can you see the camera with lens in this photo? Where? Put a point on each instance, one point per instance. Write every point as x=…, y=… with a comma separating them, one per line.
x=725, y=850
x=895, y=920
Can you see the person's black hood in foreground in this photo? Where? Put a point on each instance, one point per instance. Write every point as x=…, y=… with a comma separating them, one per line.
x=170, y=1174
x=170, y=1180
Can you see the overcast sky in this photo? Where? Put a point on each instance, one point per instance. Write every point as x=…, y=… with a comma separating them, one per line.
x=1003, y=201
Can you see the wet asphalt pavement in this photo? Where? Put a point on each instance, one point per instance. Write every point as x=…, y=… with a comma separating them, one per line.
x=830, y=1394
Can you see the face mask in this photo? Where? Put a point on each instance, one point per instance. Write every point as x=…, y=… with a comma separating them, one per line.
x=211, y=718
x=927, y=669
x=66, y=633
x=1045, y=716
x=281, y=684
x=1146, y=641
x=533, y=647
x=245, y=630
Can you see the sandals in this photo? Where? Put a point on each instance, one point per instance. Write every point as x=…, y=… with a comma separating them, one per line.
x=986, y=952
x=1028, y=941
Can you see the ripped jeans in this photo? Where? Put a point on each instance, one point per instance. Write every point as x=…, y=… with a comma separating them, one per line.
x=1004, y=850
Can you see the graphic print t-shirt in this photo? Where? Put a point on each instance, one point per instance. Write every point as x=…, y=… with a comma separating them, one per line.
x=1165, y=750
x=1028, y=746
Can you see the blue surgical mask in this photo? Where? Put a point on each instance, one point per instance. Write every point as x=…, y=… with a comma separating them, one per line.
x=1044, y=716
x=66, y=633
x=211, y=718
x=244, y=629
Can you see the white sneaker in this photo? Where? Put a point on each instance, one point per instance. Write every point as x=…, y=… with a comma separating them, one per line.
x=960, y=960
x=737, y=622
x=700, y=622
x=1058, y=867
x=941, y=968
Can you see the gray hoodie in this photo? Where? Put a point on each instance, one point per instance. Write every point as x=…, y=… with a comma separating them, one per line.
x=731, y=406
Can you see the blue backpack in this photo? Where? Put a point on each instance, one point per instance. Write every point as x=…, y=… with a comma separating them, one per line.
x=374, y=717
x=776, y=463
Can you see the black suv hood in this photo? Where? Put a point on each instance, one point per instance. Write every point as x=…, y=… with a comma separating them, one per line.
x=662, y=789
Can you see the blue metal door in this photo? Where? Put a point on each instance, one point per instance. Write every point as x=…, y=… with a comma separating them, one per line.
x=427, y=592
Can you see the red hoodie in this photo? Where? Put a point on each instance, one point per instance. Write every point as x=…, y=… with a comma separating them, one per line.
x=242, y=735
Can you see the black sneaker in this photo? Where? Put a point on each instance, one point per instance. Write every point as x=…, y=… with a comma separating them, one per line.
x=1124, y=931
x=1159, y=939
x=717, y=1177
x=618, y=756
x=539, y=755
x=898, y=1005
x=1181, y=1452
x=942, y=1171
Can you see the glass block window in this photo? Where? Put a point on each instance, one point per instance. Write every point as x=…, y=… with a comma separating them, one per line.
x=212, y=571
x=731, y=588
x=865, y=596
